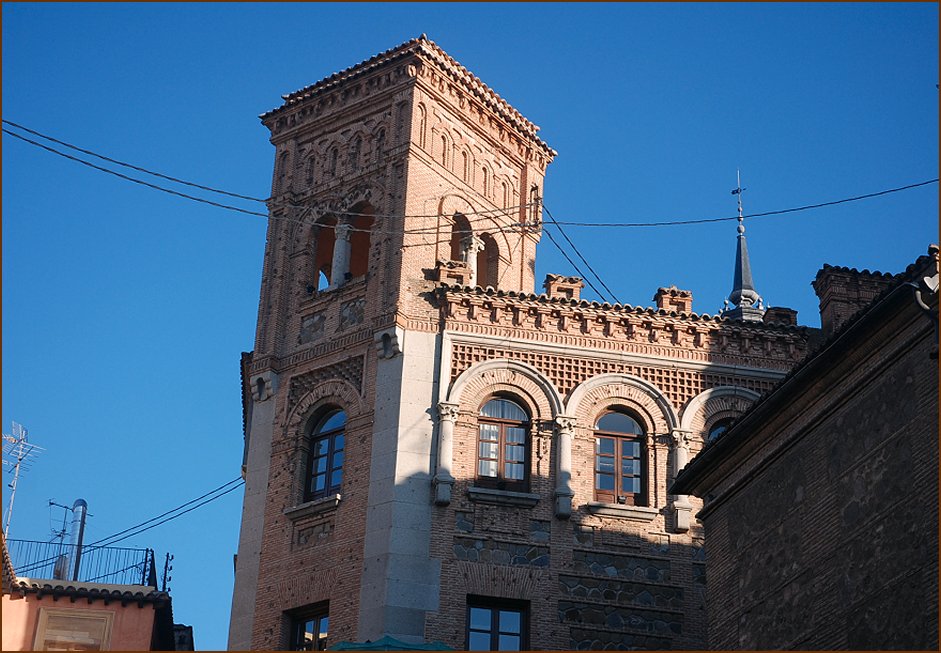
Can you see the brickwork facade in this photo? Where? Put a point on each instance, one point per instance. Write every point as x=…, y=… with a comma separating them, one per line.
x=398, y=286
x=822, y=529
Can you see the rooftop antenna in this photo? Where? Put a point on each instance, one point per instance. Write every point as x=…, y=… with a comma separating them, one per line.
x=18, y=454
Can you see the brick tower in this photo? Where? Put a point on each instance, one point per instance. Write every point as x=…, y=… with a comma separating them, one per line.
x=433, y=451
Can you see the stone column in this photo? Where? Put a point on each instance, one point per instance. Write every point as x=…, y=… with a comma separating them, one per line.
x=340, y=268
x=470, y=246
x=565, y=431
x=447, y=416
x=682, y=508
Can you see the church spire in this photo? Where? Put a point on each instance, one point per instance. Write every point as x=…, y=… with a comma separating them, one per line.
x=745, y=300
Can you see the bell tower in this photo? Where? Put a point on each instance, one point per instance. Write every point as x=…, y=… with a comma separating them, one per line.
x=389, y=177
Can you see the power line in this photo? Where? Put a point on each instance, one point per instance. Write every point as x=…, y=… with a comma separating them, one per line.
x=806, y=207
x=107, y=541
x=267, y=201
x=487, y=213
x=180, y=514
x=132, y=179
x=579, y=254
x=132, y=166
x=571, y=262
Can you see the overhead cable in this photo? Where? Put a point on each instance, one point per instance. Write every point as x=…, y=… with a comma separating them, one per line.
x=579, y=254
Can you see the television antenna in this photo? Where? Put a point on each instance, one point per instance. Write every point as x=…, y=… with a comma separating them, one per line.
x=18, y=454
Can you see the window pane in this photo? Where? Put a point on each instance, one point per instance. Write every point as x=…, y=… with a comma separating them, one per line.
x=631, y=448
x=509, y=643
x=334, y=421
x=489, y=449
x=338, y=460
x=604, y=464
x=319, y=482
x=480, y=619
x=478, y=641
x=336, y=477
x=631, y=485
x=321, y=447
x=515, y=435
x=604, y=482
x=487, y=468
x=515, y=452
x=619, y=423
x=324, y=626
x=630, y=467
x=489, y=432
x=338, y=442
x=605, y=445
x=504, y=409
x=509, y=621
x=514, y=471
x=320, y=465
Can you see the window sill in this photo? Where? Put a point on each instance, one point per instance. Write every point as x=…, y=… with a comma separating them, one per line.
x=636, y=513
x=502, y=497
x=315, y=507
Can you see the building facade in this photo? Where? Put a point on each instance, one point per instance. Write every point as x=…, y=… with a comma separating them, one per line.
x=822, y=518
x=432, y=450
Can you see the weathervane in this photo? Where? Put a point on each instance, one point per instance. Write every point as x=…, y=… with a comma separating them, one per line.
x=738, y=191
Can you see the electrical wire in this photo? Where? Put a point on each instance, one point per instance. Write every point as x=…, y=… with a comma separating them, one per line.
x=132, y=166
x=806, y=207
x=571, y=262
x=579, y=254
x=107, y=541
x=487, y=213
x=133, y=530
x=268, y=201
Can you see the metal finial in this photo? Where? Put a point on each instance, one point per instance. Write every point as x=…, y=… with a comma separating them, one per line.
x=738, y=191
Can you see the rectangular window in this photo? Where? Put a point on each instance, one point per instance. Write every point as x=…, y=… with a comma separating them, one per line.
x=497, y=624
x=73, y=630
x=310, y=628
x=618, y=471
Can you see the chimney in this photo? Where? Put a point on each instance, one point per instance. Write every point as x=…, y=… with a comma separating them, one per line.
x=674, y=299
x=562, y=287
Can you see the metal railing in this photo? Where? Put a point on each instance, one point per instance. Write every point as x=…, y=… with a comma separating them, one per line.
x=95, y=564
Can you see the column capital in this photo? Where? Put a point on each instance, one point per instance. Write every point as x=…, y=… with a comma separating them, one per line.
x=565, y=424
x=448, y=411
x=342, y=231
x=681, y=437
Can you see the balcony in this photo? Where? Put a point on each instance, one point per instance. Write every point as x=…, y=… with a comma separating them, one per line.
x=95, y=564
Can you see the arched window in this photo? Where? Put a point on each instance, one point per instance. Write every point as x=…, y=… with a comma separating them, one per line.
x=485, y=175
x=460, y=230
x=720, y=427
x=356, y=149
x=488, y=260
x=465, y=165
x=311, y=161
x=503, y=445
x=444, y=150
x=323, y=252
x=334, y=158
x=422, y=124
x=325, y=460
x=619, y=460
x=380, y=144
x=506, y=194
x=283, y=172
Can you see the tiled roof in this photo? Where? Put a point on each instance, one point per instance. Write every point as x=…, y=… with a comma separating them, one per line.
x=875, y=274
x=9, y=575
x=605, y=306
x=139, y=594
x=446, y=64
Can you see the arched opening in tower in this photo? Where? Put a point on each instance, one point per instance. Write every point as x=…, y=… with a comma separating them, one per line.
x=361, y=219
x=460, y=229
x=325, y=235
x=488, y=260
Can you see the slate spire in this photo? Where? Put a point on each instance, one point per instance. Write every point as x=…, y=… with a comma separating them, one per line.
x=746, y=303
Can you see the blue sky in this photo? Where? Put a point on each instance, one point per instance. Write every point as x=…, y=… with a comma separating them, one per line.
x=125, y=310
